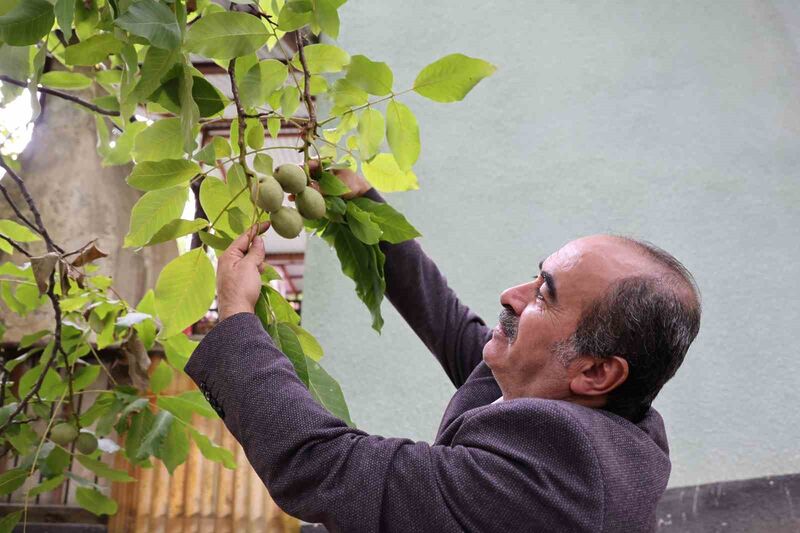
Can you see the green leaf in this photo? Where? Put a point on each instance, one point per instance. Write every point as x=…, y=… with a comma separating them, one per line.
x=215, y=241
x=402, y=132
x=59, y=79
x=178, y=349
x=211, y=451
x=372, y=76
x=284, y=312
x=385, y=175
x=254, y=133
x=12, y=480
x=174, y=449
x=93, y=50
x=215, y=195
x=363, y=264
x=65, y=13
x=15, y=61
x=155, y=435
x=153, y=211
x=290, y=20
x=187, y=403
x=331, y=185
x=10, y=520
x=146, y=329
x=161, y=377
x=263, y=164
x=450, y=78
x=226, y=35
x=120, y=154
x=310, y=345
x=27, y=22
x=85, y=376
x=153, y=21
x=153, y=175
x=326, y=17
x=347, y=94
x=177, y=228
x=184, y=291
x=45, y=486
x=395, y=227
x=207, y=97
x=274, y=126
x=141, y=423
x=103, y=470
x=371, y=128
x=190, y=112
x=289, y=344
x=322, y=58
x=290, y=100
x=157, y=63
x=263, y=79
x=327, y=391
x=17, y=232
x=95, y=501
x=362, y=225
x=161, y=140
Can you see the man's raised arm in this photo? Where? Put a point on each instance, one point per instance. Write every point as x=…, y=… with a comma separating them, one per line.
x=419, y=292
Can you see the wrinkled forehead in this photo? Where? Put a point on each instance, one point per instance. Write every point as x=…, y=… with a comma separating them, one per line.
x=584, y=268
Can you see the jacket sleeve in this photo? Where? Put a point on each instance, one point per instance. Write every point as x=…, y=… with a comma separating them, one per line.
x=320, y=470
x=451, y=331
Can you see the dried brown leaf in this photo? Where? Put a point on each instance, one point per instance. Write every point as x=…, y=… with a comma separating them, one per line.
x=42, y=267
x=88, y=255
x=138, y=361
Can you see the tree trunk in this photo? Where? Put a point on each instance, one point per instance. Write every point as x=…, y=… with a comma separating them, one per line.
x=80, y=200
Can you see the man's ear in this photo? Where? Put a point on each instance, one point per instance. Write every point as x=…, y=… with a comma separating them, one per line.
x=597, y=376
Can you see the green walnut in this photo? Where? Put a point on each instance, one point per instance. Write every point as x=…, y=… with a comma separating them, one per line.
x=291, y=177
x=86, y=443
x=287, y=222
x=63, y=433
x=269, y=195
x=310, y=203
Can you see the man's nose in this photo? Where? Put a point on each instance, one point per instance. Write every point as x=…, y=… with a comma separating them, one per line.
x=516, y=297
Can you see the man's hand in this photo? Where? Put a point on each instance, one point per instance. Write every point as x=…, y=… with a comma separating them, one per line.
x=239, y=273
x=354, y=181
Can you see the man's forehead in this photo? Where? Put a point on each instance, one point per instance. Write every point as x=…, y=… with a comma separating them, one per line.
x=597, y=260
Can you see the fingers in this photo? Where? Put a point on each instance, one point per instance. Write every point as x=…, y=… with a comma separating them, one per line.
x=239, y=247
x=256, y=254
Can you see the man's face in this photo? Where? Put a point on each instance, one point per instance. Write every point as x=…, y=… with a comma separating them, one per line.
x=541, y=313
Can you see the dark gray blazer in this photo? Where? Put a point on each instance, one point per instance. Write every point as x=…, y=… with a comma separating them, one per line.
x=520, y=465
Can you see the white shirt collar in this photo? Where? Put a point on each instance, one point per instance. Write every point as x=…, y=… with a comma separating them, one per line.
x=500, y=399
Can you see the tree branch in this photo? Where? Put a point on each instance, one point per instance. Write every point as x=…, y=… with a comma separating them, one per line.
x=53, y=356
x=37, y=217
x=16, y=209
x=61, y=94
x=17, y=247
x=241, y=115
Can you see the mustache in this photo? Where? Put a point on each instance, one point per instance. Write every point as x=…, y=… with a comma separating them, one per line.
x=509, y=323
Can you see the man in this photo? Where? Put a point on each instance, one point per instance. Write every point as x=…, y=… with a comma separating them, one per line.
x=550, y=429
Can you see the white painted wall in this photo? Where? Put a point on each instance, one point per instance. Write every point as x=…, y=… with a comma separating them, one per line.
x=677, y=122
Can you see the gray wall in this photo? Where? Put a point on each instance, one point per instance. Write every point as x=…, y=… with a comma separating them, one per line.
x=676, y=122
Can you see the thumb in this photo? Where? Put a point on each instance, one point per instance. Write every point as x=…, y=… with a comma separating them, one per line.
x=256, y=254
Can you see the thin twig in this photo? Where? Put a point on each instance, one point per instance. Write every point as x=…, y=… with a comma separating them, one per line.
x=37, y=217
x=53, y=356
x=16, y=209
x=16, y=246
x=240, y=114
x=63, y=95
